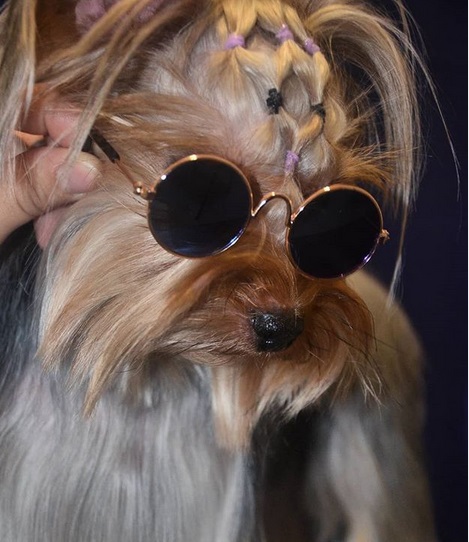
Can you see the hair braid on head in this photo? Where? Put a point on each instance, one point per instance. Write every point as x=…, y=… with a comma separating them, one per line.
x=265, y=55
x=236, y=78
x=231, y=64
x=301, y=75
x=238, y=19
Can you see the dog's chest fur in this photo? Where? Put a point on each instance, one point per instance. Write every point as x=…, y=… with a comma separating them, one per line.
x=121, y=474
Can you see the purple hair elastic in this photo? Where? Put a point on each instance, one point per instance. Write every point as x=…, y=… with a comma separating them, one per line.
x=234, y=40
x=291, y=161
x=284, y=34
x=311, y=47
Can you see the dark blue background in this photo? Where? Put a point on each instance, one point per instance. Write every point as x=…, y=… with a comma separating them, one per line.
x=435, y=276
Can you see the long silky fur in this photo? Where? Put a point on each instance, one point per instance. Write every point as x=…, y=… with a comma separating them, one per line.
x=134, y=404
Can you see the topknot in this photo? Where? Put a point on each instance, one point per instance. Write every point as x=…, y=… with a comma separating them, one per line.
x=269, y=48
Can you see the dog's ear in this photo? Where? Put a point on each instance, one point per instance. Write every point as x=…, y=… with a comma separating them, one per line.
x=87, y=12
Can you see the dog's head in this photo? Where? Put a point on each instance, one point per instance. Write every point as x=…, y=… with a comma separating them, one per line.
x=297, y=96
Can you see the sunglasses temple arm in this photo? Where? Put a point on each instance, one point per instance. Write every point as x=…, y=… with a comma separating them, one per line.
x=113, y=156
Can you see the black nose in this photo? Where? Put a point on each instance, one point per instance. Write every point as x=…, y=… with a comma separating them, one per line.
x=276, y=331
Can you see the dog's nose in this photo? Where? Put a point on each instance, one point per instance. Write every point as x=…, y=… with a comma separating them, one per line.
x=276, y=330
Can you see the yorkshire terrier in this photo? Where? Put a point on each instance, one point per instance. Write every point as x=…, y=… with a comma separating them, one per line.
x=197, y=355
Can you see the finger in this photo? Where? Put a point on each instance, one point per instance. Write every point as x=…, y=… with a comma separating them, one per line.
x=29, y=140
x=45, y=225
x=48, y=116
x=42, y=185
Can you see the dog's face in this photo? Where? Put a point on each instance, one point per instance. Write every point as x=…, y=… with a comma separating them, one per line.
x=116, y=303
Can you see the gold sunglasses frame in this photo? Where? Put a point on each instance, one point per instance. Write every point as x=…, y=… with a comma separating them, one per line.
x=148, y=195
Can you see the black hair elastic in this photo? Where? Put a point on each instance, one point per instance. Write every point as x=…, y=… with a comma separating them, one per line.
x=274, y=101
x=320, y=110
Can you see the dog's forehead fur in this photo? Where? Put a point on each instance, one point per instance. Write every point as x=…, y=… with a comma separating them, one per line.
x=199, y=97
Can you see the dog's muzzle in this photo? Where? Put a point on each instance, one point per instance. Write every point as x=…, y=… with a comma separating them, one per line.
x=276, y=331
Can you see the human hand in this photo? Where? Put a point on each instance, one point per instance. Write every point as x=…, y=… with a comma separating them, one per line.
x=41, y=192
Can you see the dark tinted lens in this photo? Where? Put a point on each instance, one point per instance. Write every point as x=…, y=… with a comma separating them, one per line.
x=335, y=233
x=201, y=207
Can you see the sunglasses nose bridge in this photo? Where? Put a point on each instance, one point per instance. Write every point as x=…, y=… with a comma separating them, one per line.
x=268, y=198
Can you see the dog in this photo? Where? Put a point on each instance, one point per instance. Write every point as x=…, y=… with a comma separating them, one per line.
x=179, y=364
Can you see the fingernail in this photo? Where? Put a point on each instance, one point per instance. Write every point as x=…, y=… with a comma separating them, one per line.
x=82, y=178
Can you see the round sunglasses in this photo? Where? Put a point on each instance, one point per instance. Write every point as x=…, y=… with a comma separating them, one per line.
x=202, y=205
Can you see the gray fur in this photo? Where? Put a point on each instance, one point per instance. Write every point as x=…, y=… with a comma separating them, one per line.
x=367, y=479
x=135, y=473
x=126, y=474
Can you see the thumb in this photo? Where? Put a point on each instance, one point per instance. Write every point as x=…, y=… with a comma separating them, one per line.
x=41, y=185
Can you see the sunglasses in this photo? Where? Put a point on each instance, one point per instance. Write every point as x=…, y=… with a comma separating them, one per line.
x=202, y=204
